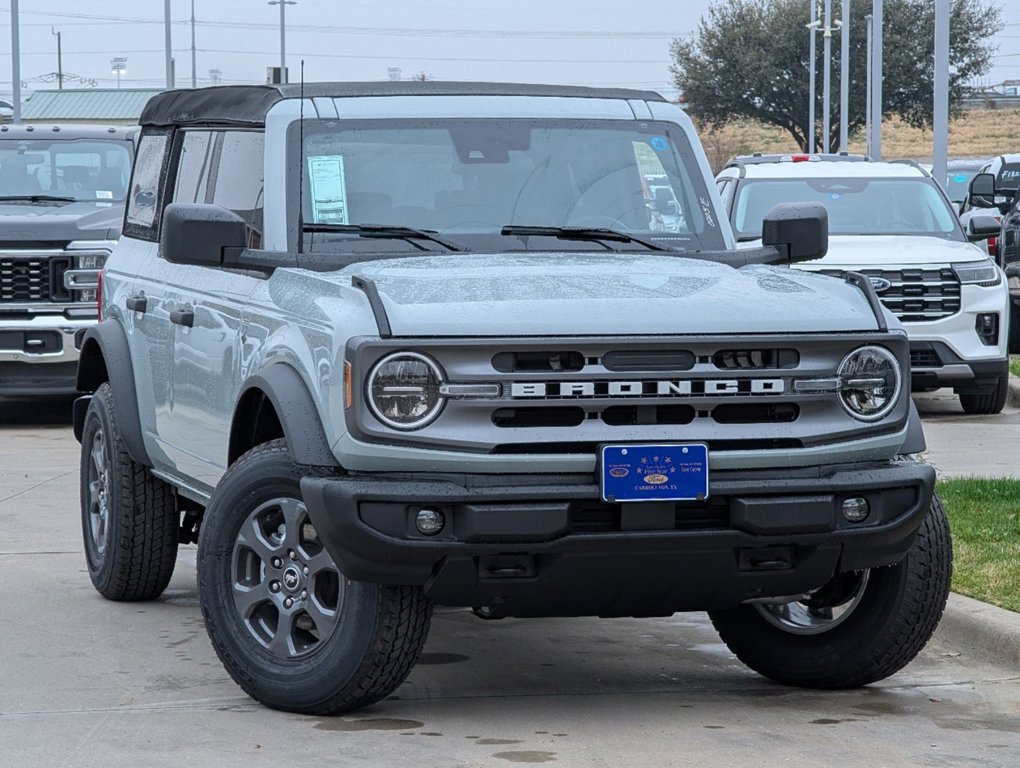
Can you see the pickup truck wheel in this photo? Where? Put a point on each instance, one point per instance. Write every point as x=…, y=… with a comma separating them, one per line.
x=859, y=628
x=993, y=402
x=129, y=518
x=289, y=627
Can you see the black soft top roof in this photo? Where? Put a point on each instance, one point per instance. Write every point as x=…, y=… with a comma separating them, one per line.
x=248, y=104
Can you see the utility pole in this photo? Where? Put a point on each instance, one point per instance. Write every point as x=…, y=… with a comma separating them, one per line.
x=844, y=79
x=812, y=51
x=867, y=91
x=876, y=80
x=60, y=65
x=940, y=123
x=194, y=77
x=15, y=64
x=283, y=36
x=827, y=77
x=168, y=45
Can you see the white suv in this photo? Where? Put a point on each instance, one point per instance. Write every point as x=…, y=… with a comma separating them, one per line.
x=893, y=223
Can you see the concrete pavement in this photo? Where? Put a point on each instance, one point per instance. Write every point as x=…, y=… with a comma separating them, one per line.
x=90, y=683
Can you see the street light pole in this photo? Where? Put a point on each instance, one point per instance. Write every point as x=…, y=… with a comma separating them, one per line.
x=827, y=77
x=844, y=80
x=812, y=28
x=940, y=122
x=194, y=77
x=283, y=36
x=867, y=92
x=60, y=65
x=876, y=80
x=15, y=64
x=168, y=45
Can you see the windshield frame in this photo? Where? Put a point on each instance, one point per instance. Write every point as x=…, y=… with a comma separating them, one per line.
x=711, y=236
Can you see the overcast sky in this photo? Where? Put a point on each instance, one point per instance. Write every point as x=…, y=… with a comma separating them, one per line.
x=586, y=42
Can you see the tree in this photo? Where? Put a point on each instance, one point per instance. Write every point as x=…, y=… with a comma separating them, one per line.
x=750, y=58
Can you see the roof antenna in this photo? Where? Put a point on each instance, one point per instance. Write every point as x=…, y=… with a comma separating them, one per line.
x=301, y=165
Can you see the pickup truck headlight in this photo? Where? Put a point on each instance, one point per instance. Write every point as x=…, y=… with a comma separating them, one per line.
x=403, y=390
x=869, y=383
x=983, y=273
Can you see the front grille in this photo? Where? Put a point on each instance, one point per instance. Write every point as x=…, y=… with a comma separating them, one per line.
x=37, y=278
x=915, y=295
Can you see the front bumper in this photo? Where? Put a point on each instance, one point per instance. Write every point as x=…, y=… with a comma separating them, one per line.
x=532, y=545
x=39, y=356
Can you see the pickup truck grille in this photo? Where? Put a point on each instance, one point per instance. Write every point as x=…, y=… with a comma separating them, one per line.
x=545, y=396
x=915, y=295
x=33, y=279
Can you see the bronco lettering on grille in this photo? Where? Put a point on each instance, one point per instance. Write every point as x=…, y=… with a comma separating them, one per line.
x=646, y=388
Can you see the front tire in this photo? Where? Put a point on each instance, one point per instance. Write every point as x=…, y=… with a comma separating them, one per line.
x=289, y=627
x=859, y=628
x=989, y=403
x=130, y=524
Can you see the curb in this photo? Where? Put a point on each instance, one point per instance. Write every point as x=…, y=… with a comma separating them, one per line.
x=981, y=631
x=1013, y=396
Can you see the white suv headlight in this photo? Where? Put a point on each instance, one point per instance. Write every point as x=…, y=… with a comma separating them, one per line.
x=983, y=273
x=403, y=390
x=869, y=383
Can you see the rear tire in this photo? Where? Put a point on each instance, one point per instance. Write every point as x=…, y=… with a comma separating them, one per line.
x=992, y=402
x=871, y=626
x=1014, y=329
x=289, y=627
x=130, y=524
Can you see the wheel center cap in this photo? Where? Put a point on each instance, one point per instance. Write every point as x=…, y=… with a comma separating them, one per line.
x=292, y=578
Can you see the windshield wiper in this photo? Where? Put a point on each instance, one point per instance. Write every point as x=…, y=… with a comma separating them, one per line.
x=387, y=231
x=38, y=198
x=582, y=233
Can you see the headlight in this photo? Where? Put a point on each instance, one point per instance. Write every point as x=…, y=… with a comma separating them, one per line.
x=403, y=390
x=869, y=383
x=983, y=273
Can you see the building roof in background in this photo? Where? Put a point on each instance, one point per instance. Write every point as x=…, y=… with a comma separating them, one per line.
x=87, y=104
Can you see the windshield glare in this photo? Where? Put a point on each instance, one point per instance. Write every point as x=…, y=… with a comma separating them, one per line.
x=81, y=169
x=469, y=178
x=857, y=206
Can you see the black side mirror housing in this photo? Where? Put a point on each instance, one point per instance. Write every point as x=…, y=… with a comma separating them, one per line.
x=199, y=234
x=982, y=228
x=981, y=192
x=664, y=201
x=800, y=230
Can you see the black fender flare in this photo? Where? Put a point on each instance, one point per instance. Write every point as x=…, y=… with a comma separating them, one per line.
x=295, y=408
x=106, y=356
x=915, y=442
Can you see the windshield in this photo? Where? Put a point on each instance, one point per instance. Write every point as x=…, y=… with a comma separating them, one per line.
x=468, y=179
x=82, y=169
x=856, y=206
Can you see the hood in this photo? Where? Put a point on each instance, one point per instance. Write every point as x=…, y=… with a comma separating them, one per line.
x=889, y=252
x=81, y=220
x=545, y=294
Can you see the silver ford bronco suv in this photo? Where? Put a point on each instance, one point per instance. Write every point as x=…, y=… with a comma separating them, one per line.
x=62, y=192
x=379, y=347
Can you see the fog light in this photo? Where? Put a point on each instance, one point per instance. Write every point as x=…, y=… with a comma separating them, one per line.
x=987, y=327
x=429, y=522
x=856, y=510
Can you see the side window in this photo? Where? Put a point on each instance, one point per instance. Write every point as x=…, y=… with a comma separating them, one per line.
x=223, y=168
x=726, y=192
x=237, y=184
x=141, y=219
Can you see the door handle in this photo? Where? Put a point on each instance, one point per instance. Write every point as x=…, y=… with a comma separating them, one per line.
x=136, y=303
x=185, y=317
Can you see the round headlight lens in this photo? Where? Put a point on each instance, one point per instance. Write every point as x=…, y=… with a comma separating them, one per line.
x=870, y=383
x=403, y=390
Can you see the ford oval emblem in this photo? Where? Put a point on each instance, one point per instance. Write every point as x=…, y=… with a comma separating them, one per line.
x=880, y=284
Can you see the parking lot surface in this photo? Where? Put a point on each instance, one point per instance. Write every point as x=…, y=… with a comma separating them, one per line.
x=88, y=682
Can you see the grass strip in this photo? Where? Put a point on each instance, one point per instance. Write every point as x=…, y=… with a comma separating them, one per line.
x=984, y=516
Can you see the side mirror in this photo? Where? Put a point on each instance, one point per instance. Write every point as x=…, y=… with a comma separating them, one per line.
x=664, y=201
x=198, y=234
x=981, y=192
x=800, y=230
x=982, y=228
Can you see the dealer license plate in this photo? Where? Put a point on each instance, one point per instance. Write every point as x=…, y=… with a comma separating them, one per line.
x=676, y=472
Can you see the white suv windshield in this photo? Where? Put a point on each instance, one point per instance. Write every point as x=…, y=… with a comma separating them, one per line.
x=471, y=178
x=82, y=169
x=856, y=206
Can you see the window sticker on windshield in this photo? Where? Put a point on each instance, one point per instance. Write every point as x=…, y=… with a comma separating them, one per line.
x=329, y=189
x=659, y=143
x=104, y=194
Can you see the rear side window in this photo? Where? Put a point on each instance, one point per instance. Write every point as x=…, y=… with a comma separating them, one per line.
x=145, y=195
